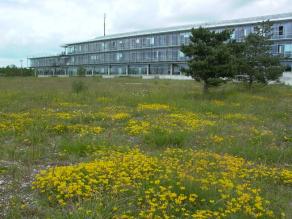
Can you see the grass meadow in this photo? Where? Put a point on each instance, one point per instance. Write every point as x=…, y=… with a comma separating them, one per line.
x=132, y=148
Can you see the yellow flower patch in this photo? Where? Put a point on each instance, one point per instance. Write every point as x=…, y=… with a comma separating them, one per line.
x=120, y=116
x=218, y=102
x=136, y=127
x=15, y=122
x=286, y=176
x=154, y=107
x=78, y=129
x=188, y=120
x=173, y=184
x=259, y=132
x=117, y=173
x=217, y=139
x=170, y=122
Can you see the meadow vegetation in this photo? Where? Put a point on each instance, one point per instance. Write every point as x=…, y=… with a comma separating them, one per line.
x=132, y=148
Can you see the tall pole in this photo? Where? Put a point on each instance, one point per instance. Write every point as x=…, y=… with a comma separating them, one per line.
x=104, y=19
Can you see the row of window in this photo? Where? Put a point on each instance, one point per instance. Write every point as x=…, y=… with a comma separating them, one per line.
x=161, y=40
x=174, y=39
x=147, y=55
x=278, y=32
x=284, y=49
x=49, y=61
x=44, y=62
x=164, y=69
x=169, y=54
x=129, y=57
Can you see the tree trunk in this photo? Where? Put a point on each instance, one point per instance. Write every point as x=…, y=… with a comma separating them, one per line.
x=250, y=83
x=205, y=88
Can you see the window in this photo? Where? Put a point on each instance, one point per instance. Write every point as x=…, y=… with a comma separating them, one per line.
x=280, y=48
x=106, y=46
x=151, y=40
x=120, y=44
x=71, y=49
x=281, y=31
x=113, y=44
x=162, y=40
x=245, y=32
x=288, y=48
x=184, y=38
x=119, y=56
x=80, y=48
x=84, y=47
x=148, y=41
x=186, y=35
x=174, y=39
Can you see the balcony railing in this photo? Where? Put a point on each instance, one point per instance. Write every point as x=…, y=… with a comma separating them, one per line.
x=285, y=35
x=284, y=55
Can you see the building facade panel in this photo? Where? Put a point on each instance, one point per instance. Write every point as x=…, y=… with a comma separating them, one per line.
x=153, y=52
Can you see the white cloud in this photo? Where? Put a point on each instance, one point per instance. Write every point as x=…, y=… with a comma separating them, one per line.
x=29, y=27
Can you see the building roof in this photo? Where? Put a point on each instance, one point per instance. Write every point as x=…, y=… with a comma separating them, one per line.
x=225, y=23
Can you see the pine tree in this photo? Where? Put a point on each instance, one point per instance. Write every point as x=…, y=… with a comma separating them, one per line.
x=257, y=61
x=209, y=56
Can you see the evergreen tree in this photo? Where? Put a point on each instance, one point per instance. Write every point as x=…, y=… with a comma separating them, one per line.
x=210, y=56
x=257, y=61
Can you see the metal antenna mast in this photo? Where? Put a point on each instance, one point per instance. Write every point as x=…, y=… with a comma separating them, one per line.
x=104, y=24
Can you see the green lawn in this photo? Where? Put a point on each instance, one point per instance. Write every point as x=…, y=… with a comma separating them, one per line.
x=132, y=148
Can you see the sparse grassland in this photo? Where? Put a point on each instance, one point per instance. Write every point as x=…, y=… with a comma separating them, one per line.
x=128, y=148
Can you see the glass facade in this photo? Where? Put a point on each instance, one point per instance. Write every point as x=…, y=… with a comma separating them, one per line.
x=152, y=53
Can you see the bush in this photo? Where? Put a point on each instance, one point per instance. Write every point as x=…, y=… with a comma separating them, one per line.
x=78, y=87
x=81, y=72
x=13, y=71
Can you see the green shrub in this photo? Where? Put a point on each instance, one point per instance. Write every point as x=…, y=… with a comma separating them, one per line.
x=81, y=72
x=78, y=87
x=13, y=71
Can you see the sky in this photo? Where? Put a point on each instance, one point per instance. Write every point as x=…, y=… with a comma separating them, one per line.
x=38, y=27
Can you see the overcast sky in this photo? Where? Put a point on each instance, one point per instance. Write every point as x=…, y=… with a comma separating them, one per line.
x=39, y=27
